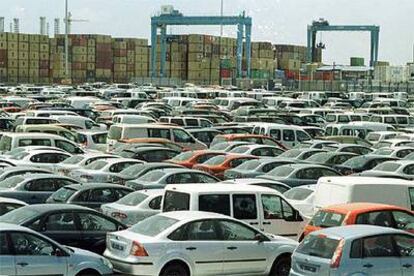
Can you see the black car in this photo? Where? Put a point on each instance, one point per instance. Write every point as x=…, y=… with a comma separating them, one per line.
x=149, y=154
x=135, y=171
x=68, y=224
x=362, y=163
x=91, y=195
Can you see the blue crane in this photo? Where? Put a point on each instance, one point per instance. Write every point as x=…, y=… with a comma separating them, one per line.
x=243, y=22
x=323, y=25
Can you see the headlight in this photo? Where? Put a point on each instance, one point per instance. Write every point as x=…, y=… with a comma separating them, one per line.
x=107, y=263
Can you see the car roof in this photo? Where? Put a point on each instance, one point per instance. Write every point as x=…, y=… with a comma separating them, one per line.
x=42, y=175
x=193, y=215
x=13, y=227
x=357, y=231
x=364, y=180
x=147, y=148
x=46, y=207
x=11, y=200
x=89, y=186
x=218, y=187
x=22, y=168
x=360, y=207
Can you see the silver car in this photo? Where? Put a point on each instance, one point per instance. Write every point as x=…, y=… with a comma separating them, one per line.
x=26, y=252
x=135, y=206
x=197, y=243
x=355, y=250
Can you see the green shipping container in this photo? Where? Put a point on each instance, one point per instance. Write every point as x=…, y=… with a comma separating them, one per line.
x=357, y=61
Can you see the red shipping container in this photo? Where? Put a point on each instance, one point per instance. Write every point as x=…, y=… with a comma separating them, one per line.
x=225, y=73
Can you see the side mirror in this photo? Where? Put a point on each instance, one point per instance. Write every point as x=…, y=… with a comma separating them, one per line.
x=59, y=253
x=259, y=237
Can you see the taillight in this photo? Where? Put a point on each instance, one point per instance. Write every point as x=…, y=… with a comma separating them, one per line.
x=119, y=215
x=336, y=258
x=138, y=250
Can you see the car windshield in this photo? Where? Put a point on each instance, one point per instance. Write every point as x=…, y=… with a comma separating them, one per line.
x=220, y=146
x=63, y=194
x=239, y=150
x=96, y=165
x=373, y=137
x=152, y=176
x=387, y=167
x=133, y=171
x=153, y=226
x=76, y=159
x=298, y=193
x=132, y=199
x=216, y=160
x=249, y=165
x=20, y=155
x=327, y=219
x=290, y=154
x=281, y=171
x=383, y=151
x=183, y=156
x=19, y=215
x=11, y=182
x=321, y=157
x=318, y=246
x=355, y=162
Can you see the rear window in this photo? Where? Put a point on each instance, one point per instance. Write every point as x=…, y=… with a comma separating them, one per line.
x=175, y=201
x=327, y=219
x=115, y=133
x=132, y=199
x=318, y=246
x=217, y=160
x=154, y=225
x=298, y=193
x=63, y=194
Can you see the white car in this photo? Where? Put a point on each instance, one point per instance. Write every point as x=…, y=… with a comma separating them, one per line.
x=45, y=159
x=9, y=204
x=93, y=139
x=80, y=161
x=301, y=198
x=104, y=170
x=135, y=206
x=197, y=243
x=26, y=252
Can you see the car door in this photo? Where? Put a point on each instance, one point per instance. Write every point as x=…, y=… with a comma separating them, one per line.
x=93, y=230
x=405, y=248
x=99, y=196
x=61, y=227
x=7, y=264
x=403, y=221
x=200, y=242
x=243, y=253
x=39, y=190
x=35, y=255
x=278, y=217
x=379, y=256
x=244, y=207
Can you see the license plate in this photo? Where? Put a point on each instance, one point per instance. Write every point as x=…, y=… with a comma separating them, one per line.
x=117, y=246
x=308, y=268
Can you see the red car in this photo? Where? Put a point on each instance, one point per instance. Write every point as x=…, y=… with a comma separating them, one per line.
x=190, y=158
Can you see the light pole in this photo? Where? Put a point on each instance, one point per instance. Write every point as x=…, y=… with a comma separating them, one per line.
x=66, y=40
x=221, y=14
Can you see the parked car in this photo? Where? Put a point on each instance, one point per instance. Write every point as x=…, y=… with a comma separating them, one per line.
x=330, y=159
x=149, y=154
x=10, y=204
x=300, y=154
x=275, y=185
x=258, y=150
x=138, y=170
x=255, y=167
x=80, y=161
x=205, y=135
x=396, y=152
x=350, y=148
x=225, y=246
x=91, y=195
x=302, y=198
x=361, y=163
x=29, y=253
x=69, y=224
x=135, y=206
x=35, y=188
x=395, y=169
x=361, y=213
x=190, y=158
x=21, y=170
x=45, y=159
x=355, y=249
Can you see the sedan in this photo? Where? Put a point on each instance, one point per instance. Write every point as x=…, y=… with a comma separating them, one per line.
x=135, y=206
x=14, y=171
x=355, y=250
x=80, y=161
x=255, y=167
x=10, y=204
x=275, y=185
x=299, y=174
x=258, y=150
x=211, y=244
x=45, y=159
x=362, y=163
x=68, y=224
x=396, y=152
x=218, y=165
x=190, y=158
x=158, y=179
x=26, y=252
x=352, y=148
x=301, y=198
x=138, y=170
x=394, y=169
x=330, y=159
x=35, y=188
x=149, y=154
x=92, y=195
x=300, y=154
x=103, y=170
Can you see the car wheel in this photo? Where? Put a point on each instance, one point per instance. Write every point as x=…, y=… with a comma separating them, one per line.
x=88, y=273
x=174, y=270
x=281, y=267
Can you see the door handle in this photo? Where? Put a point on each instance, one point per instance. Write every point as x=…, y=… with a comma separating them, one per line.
x=267, y=222
x=407, y=265
x=368, y=265
x=231, y=248
x=191, y=248
x=22, y=264
x=253, y=223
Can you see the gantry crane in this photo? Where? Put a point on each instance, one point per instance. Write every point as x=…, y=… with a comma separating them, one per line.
x=174, y=17
x=323, y=25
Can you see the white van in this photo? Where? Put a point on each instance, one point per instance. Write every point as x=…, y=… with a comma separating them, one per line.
x=11, y=141
x=394, y=119
x=186, y=121
x=83, y=122
x=175, y=134
x=359, y=129
x=348, y=189
x=261, y=207
x=346, y=117
x=132, y=119
x=287, y=135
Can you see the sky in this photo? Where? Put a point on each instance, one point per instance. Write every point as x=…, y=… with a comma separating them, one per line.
x=276, y=21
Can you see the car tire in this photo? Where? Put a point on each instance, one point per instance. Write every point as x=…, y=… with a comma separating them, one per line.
x=88, y=273
x=281, y=266
x=174, y=269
